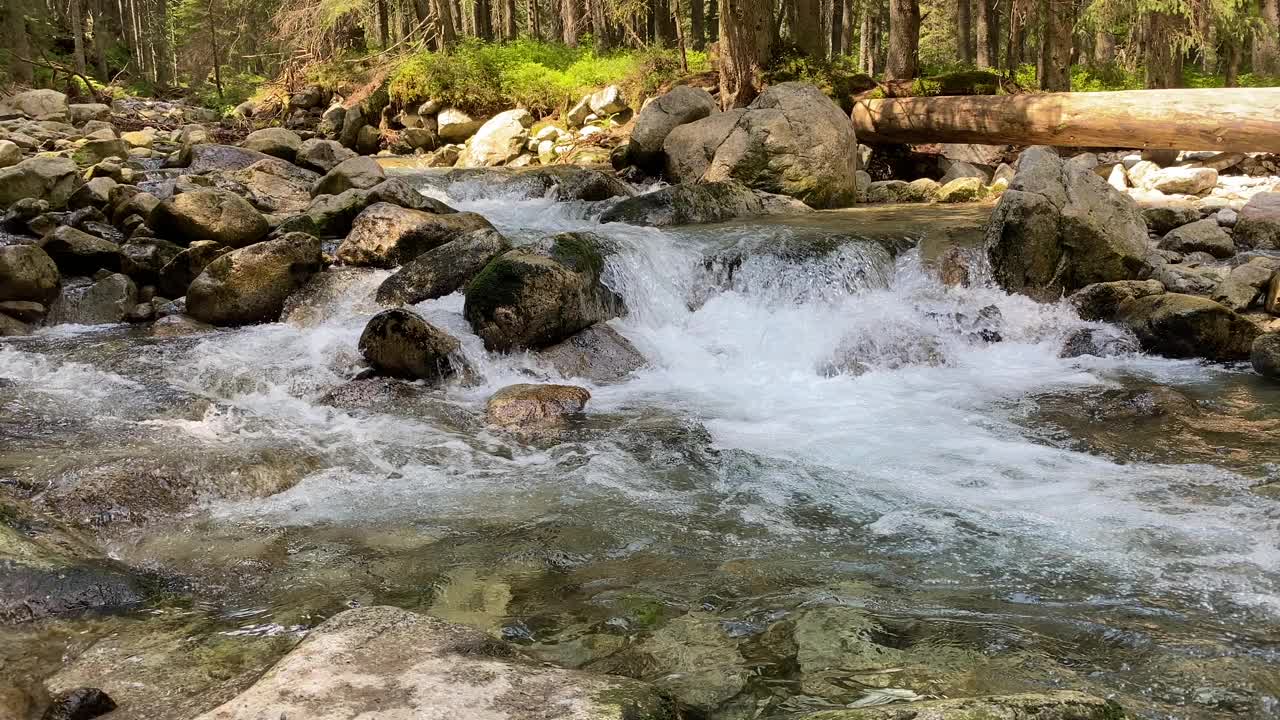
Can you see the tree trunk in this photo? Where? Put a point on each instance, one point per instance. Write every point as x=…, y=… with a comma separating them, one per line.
x=531, y=22
x=571, y=18
x=510, y=29
x=14, y=17
x=1231, y=57
x=483, y=20
x=160, y=46
x=746, y=40
x=847, y=20
x=1019, y=14
x=1239, y=119
x=837, y=17
x=904, y=40
x=697, y=31
x=1266, y=42
x=77, y=35
x=1058, y=22
x=964, y=31
x=664, y=26
x=1104, y=48
x=213, y=42
x=807, y=29
x=600, y=26
x=1163, y=53
x=868, y=37
x=712, y=25
x=988, y=29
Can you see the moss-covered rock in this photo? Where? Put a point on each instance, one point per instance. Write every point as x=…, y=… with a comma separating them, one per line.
x=442, y=270
x=250, y=285
x=1177, y=325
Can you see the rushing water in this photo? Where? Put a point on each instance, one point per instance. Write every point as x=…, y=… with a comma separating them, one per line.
x=814, y=426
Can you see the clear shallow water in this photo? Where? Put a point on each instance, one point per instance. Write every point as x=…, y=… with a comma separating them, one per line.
x=811, y=429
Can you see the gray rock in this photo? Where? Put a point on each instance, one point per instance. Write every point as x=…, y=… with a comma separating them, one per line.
x=95, y=151
x=39, y=104
x=1101, y=301
x=95, y=193
x=401, y=343
x=352, y=121
x=86, y=302
x=275, y=141
x=1173, y=180
x=321, y=155
x=27, y=273
x=559, y=182
x=598, y=354
x=499, y=141
x=383, y=662
x=179, y=326
x=900, y=191
x=250, y=285
x=331, y=121
x=792, y=140
x=702, y=202
x=368, y=140
x=78, y=252
x=218, y=215
x=1106, y=341
x=52, y=179
x=538, y=295
x=455, y=126
x=273, y=186
x=1199, y=236
x=1167, y=216
x=607, y=101
x=1059, y=229
x=386, y=235
x=207, y=157
x=1264, y=355
x=1258, y=224
x=1177, y=325
x=10, y=154
x=683, y=104
x=954, y=170
x=530, y=407
x=1188, y=278
x=332, y=215
x=442, y=270
x=358, y=172
x=143, y=258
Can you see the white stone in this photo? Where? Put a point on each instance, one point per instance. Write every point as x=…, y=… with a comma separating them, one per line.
x=590, y=130
x=455, y=125
x=607, y=101
x=499, y=141
x=1118, y=178
x=10, y=154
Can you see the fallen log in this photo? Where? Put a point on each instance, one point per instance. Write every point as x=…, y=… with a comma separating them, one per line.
x=1235, y=119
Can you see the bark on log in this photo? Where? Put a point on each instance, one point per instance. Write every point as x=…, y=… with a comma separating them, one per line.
x=1234, y=119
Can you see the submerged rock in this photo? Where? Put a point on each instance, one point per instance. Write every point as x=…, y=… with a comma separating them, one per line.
x=250, y=285
x=1059, y=228
x=833, y=643
x=379, y=663
x=527, y=406
x=1264, y=355
x=401, y=343
x=702, y=666
x=540, y=294
x=386, y=235
x=703, y=202
x=560, y=182
x=1177, y=325
x=598, y=354
x=1099, y=342
x=442, y=270
x=80, y=704
x=1053, y=705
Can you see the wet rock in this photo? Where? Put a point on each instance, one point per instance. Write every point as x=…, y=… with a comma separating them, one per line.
x=560, y=182
x=95, y=151
x=1199, y=236
x=703, y=202
x=77, y=252
x=38, y=104
x=52, y=179
x=250, y=285
x=683, y=104
x=400, y=343
x=1053, y=705
x=94, y=193
x=1264, y=355
x=701, y=666
x=1258, y=224
x=898, y=191
x=386, y=235
x=540, y=294
x=1100, y=342
x=23, y=310
x=176, y=275
x=79, y=704
x=90, y=302
x=218, y=215
x=442, y=270
x=1101, y=301
x=792, y=140
x=275, y=141
x=598, y=354
x=368, y=140
x=963, y=189
x=499, y=141
x=358, y=172
x=332, y=215
x=835, y=642
x=1177, y=325
x=1058, y=229
x=321, y=155
x=385, y=662
x=1191, y=278
x=13, y=327
x=27, y=273
x=527, y=406
x=179, y=326
x=456, y=126
x=205, y=158
x=1164, y=217
x=143, y=258
x=274, y=186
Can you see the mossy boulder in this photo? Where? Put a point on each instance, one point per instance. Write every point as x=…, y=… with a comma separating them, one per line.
x=538, y=295
x=1185, y=326
x=250, y=285
x=444, y=269
x=48, y=178
x=401, y=343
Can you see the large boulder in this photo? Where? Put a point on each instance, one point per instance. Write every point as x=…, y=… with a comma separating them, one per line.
x=1052, y=705
x=456, y=126
x=274, y=186
x=1265, y=355
x=1060, y=227
x=540, y=294
x=358, y=173
x=1182, y=326
x=387, y=235
x=250, y=285
x=527, y=406
x=1257, y=226
x=682, y=105
x=218, y=215
x=332, y=215
x=792, y=140
x=1101, y=301
x=598, y=354
x=499, y=141
x=77, y=252
x=27, y=273
x=442, y=270
x=204, y=158
x=39, y=105
x=81, y=113
x=89, y=302
x=1166, y=216
x=275, y=141
x=700, y=202
x=380, y=663
x=321, y=155
x=142, y=258
x=401, y=343
x=52, y=179
x=176, y=275
x=1200, y=236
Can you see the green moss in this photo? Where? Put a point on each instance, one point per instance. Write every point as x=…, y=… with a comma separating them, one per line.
x=578, y=251
x=496, y=285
